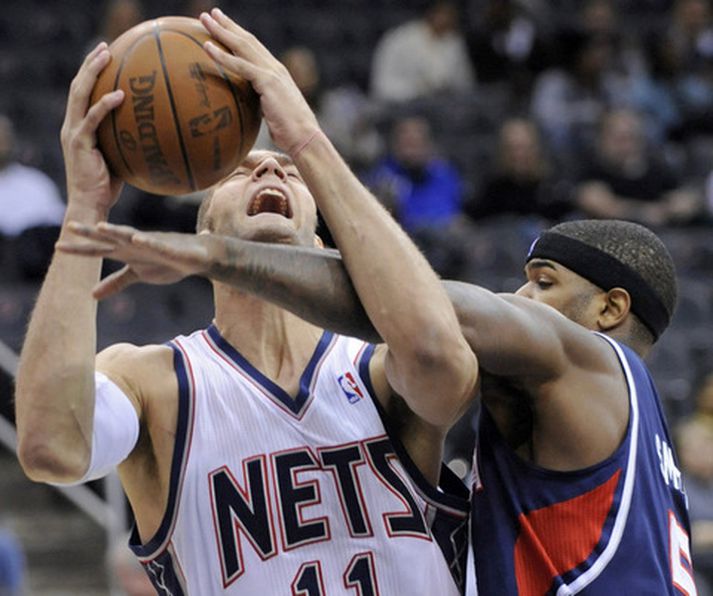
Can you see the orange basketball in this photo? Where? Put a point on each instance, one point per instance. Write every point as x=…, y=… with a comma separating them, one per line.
x=184, y=123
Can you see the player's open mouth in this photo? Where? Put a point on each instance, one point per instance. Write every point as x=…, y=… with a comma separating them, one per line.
x=270, y=200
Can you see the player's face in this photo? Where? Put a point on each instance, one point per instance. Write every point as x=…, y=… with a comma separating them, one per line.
x=265, y=200
x=572, y=295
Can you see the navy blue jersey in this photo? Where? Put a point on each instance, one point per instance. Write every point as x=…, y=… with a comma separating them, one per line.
x=618, y=527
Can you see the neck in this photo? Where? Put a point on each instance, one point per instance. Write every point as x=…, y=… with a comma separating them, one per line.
x=273, y=340
x=640, y=347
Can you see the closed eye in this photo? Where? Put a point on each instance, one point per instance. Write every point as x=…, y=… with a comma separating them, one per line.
x=295, y=176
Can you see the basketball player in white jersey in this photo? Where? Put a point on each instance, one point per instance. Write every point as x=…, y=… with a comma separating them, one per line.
x=262, y=455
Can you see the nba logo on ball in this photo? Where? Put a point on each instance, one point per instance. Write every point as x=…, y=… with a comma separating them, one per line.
x=185, y=122
x=350, y=388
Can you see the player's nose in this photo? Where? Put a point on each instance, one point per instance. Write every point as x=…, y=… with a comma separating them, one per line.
x=525, y=290
x=269, y=165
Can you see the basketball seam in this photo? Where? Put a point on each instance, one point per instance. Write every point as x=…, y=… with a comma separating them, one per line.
x=184, y=152
x=233, y=91
x=126, y=56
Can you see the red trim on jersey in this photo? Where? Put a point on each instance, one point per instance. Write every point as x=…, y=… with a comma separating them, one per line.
x=359, y=353
x=557, y=538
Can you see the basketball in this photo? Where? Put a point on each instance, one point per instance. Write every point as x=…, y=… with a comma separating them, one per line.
x=184, y=123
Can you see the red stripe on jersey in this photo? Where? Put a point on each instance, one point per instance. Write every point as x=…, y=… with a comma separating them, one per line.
x=557, y=538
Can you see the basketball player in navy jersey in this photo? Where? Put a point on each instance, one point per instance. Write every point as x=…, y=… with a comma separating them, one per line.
x=262, y=455
x=576, y=486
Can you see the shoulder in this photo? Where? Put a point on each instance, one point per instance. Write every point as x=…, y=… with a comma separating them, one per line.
x=406, y=33
x=580, y=346
x=513, y=333
x=144, y=373
x=130, y=356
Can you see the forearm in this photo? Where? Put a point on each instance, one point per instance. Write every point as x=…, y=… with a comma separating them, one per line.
x=55, y=383
x=310, y=282
x=395, y=283
x=398, y=288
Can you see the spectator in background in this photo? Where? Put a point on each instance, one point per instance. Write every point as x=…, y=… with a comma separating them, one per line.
x=507, y=46
x=346, y=115
x=601, y=18
x=421, y=188
x=32, y=207
x=656, y=93
x=598, y=17
x=523, y=181
x=625, y=180
x=423, y=191
x=695, y=450
x=676, y=93
x=691, y=32
x=703, y=401
x=568, y=101
x=118, y=16
x=690, y=39
x=423, y=57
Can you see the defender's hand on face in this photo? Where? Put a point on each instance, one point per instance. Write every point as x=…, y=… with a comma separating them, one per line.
x=151, y=257
x=89, y=184
x=284, y=108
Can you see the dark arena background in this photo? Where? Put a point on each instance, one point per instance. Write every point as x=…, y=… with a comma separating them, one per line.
x=537, y=111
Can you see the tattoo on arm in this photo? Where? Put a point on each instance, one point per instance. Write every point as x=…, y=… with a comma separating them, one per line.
x=310, y=282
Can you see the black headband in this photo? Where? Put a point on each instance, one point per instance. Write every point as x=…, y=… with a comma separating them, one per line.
x=606, y=272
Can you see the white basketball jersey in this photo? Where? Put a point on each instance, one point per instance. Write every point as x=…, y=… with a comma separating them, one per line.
x=304, y=496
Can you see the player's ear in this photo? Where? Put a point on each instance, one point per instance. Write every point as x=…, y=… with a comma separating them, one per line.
x=318, y=241
x=615, y=308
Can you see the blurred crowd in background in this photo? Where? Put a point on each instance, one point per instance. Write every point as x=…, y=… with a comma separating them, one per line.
x=477, y=122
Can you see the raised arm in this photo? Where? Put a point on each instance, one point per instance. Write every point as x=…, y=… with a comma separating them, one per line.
x=55, y=381
x=428, y=363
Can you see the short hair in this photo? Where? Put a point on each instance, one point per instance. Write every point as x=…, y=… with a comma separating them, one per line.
x=636, y=248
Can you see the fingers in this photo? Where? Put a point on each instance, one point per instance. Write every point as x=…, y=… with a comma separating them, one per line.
x=115, y=283
x=103, y=231
x=157, y=245
x=83, y=83
x=227, y=31
x=176, y=250
x=231, y=62
x=102, y=240
x=99, y=110
x=249, y=55
x=116, y=230
x=86, y=249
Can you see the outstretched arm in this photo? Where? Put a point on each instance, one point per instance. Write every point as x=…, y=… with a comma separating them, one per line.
x=310, y=282
x=55, y=381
